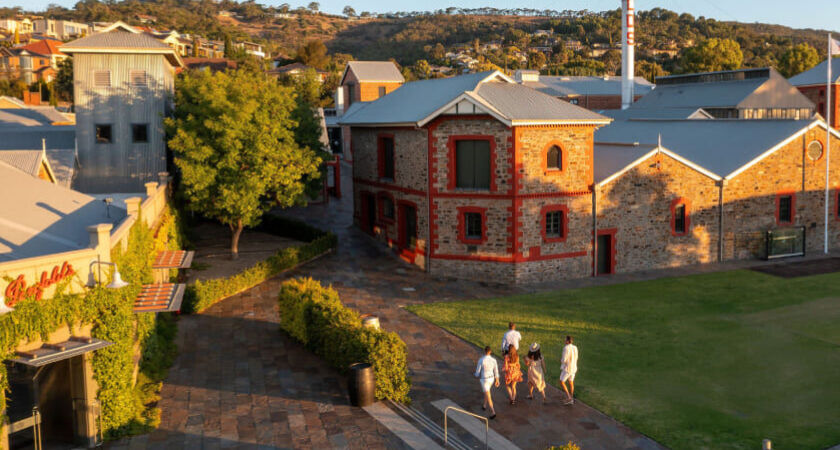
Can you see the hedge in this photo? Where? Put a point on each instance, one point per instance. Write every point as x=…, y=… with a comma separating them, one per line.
x=204, y=294
x=315, y=316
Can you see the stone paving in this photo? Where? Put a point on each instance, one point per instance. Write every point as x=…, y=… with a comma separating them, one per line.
x=239, y=382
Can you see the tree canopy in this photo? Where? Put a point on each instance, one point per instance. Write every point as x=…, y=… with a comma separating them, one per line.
x=798, y=59
x=314, y=54
x=234, y=145
x=712, y=55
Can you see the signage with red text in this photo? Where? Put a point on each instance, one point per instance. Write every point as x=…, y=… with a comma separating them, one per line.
x=18, y=289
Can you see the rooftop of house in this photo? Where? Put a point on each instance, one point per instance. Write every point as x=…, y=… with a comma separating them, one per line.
x=120, y=41
x=294, y=67
x=566, y=86
x=30, y=116
x=719, y=148
x=213, y=64
x=818, y=75
x=374, y=71
x=27, y=161
x=753, y=88
x=35, y=137
x=44, y=218
x=493, y=93
x=47, y=47
x=663, y=113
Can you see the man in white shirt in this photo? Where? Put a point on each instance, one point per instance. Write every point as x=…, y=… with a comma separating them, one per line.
x=487, y=372
x=511, y=337
x=568, y=369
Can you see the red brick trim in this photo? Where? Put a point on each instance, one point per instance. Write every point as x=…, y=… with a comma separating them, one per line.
x=792, y=195
x=388, y=186
x=552, y=208
x=550, y=171
x=451, y=163
x=380, y=210
x=533, y=256
x=674, y=203
x=462, y=226
x=477, y=195
x=606, y=232
x=380, y=153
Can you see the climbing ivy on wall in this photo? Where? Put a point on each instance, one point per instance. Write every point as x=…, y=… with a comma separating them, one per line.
x=123, y=404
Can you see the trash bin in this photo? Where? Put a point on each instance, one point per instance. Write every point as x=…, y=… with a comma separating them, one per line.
x=361, y=384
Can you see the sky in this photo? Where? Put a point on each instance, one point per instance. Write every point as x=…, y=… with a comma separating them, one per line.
x=819, y=14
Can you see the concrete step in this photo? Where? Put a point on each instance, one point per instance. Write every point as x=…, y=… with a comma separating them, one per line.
x=409, y=434
x=477, y=428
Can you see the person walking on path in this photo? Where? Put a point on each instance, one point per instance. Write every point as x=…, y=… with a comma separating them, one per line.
x=511, y=338
x=487, y=372
x=536, y=371
x=568, y=369
x=513, y=374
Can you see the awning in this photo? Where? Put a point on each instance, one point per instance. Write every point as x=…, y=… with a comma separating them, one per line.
x=173, y=259
x=50, y=353
x=160, y=297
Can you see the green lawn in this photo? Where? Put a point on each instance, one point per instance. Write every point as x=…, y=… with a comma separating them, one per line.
x=716, y=361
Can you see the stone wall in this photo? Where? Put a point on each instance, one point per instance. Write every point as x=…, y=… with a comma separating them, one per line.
x=637, y=205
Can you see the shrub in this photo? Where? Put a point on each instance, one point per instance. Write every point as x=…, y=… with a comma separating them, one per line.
x=204, y=294
x=315, y=316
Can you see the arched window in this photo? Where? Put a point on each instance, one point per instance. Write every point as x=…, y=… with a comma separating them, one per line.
x=554, y=158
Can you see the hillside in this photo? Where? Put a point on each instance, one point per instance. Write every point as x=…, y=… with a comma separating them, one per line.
x=407, y=37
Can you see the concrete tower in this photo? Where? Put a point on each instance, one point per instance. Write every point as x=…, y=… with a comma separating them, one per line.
x=628, y=45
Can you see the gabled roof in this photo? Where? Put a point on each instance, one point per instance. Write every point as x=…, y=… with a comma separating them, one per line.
x=565, y=86
x=119, y=41
x=44, y=218
x=818, y=75
x=374, y=71
x=27, y=161
x=493, y=93
x=47, y=47
x=29, y=116
x=664, y=113
x=770, y=91
x=719, y=148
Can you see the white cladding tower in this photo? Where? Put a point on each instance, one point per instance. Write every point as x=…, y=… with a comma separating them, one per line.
x=628, y=45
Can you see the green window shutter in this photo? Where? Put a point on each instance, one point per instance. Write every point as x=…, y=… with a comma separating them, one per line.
x=482, y=165
x=472, y=164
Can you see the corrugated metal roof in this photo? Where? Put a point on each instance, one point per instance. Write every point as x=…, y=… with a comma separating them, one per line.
x=611, y=158
x=719, y=146
x=44, y=218
x=30, y=116
x=664, y=113
x=115, y=40
x=564, y=86
x=818, y=75
x=416, y=101
x=63, y=164
x=772, y=92
x=375, y=71
x=519, y=102
x=28, y=161
x=29, y=138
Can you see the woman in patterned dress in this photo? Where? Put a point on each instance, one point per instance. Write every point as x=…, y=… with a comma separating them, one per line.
x=513, y=374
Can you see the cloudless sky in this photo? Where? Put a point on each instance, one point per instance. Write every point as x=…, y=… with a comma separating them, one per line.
x=819, y=14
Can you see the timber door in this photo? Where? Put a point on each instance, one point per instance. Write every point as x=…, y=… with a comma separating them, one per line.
x=605, y=254
x=368, y=217
x=408, y=227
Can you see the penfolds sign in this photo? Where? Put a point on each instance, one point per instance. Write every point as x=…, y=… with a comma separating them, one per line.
x=18, y=289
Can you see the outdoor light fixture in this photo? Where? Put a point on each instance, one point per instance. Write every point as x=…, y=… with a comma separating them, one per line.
x=116, y=282
x=3, y=308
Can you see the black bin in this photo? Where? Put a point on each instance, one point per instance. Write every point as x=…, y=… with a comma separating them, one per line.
x=361, y=384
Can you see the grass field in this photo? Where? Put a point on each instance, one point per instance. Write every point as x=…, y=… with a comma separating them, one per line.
x=716, y=361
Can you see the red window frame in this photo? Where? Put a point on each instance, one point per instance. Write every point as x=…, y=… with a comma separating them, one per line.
x=380, y=155
x=453, y=140
x=380, y=210
x=553, y=208
x=674, y=203
x=551, y=170
x=792, y=195
x=462, y=225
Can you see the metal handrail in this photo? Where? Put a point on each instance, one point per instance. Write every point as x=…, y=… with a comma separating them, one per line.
x=36, y=428
x=446, y=427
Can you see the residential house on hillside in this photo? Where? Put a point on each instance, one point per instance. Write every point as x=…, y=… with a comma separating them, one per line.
x=735, y=94
x=27, y=65
x=211, y=64
x=594, y=93
x=812, y=83
x=61, y=29
x=480, y=177
x=251, y=48
x=123, y=86
x=22, y=25
x=297, y=69
x=49, y=48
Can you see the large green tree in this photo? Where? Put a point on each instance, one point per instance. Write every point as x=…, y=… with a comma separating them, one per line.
x=798, y=59
x=234, y=145
x=314, y=54
x=64, y=79
x=712, y=55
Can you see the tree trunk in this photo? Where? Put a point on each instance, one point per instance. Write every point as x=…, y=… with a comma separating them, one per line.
x=234, y=242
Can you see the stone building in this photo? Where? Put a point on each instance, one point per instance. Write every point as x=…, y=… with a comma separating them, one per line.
x=480, y=177
x=812, y=83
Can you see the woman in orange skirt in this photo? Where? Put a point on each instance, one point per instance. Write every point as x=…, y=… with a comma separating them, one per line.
x=513, y=374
